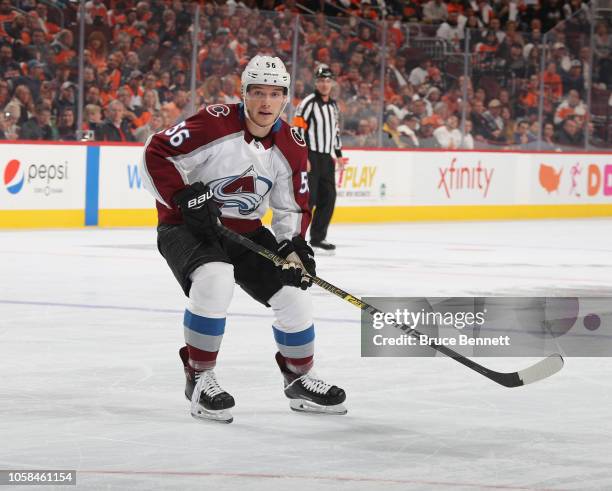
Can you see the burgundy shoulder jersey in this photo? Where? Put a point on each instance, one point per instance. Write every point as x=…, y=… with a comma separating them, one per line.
x=246, y=175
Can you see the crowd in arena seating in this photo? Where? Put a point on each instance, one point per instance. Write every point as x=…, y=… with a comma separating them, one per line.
x=138, y=67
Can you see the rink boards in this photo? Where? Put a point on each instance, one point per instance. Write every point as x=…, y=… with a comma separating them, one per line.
x=75, y=185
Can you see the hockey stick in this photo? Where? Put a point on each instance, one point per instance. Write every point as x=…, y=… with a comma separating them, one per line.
x=541, y=370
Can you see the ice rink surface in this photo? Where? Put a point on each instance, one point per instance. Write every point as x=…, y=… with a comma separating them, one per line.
x=90, y=325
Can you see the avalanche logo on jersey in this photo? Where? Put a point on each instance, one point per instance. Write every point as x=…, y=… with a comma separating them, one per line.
x=297, y=136
x=13, y=176
x=245, y=192
x=218, y=110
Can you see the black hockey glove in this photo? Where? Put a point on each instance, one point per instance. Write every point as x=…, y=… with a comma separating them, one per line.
x=299, y=253
x=200, y=212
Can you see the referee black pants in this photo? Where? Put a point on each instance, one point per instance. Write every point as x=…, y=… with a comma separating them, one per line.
x=322, y=184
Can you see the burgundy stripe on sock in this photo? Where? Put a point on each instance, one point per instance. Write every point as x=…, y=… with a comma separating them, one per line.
x=200, y=359
x=299, y=365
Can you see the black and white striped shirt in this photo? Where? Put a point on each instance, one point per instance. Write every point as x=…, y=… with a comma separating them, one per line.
x=319, y=124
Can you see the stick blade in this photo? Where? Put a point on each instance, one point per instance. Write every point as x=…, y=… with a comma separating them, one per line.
x=541, y=370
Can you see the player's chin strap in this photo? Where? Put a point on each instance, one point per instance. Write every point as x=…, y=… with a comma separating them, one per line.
x=541, y=370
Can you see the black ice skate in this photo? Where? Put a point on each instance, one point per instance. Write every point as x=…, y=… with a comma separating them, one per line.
x=208, y=400
x=308, y=394
x=322, y=246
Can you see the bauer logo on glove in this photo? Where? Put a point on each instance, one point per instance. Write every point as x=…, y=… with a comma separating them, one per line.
x=200, y=200
x=200, y=212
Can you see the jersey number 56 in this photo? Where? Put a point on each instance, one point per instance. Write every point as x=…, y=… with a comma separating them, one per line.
x=177, y=135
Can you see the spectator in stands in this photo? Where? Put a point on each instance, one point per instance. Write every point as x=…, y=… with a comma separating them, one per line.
x=365, y=135
x=66, y=128
x=21, y=106
x=552, y=81
x=3, y=126
x=155, y=124
x=548, y=138
x=98, y=49
x=96, y=13
x=509, y=125
x=569, y=135
x=574, y=80
x=93, y=118
x=5, y=94
x=584, y=56
x=571, y=106
x=6, y=60
x=92, y=96
x=116, y=127
x=435, y=12
x=112, y=71
x=420, y=74
x=148, y=108
x=135, y=88
x=494, y=128
x=10, y=128
x=467, y=142
x=61, y=48
x=393, y=137
x=125, y=96
x=230, y=94
x=448, y=135
x=495, y=28
x=561, y=58
x=551, y=14
x=130, y=68
x=477, y=112
x=516, y=66
x=429, y=101
x=39, y=127
x=483, y=10
x=426, y=138
x=452, y=30
x=522, y=135
x=34, y=78
x=66, y=98
x=39, y=48
x=602, y=54
x=409, y=130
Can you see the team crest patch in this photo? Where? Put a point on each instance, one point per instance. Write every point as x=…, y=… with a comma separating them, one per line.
x=295, y=133
x=218, y=110
x=244, y=192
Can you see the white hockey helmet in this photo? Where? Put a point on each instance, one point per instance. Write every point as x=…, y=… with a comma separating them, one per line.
x=265, y=70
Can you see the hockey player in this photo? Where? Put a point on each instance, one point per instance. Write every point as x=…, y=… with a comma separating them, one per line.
x=231, y=162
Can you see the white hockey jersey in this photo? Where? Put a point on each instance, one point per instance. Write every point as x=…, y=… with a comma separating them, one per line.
x=246, y=174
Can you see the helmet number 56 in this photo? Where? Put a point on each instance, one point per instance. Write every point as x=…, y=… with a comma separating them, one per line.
x=177, y=135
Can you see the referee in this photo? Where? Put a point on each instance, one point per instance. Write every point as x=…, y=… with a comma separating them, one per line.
x=317, y=116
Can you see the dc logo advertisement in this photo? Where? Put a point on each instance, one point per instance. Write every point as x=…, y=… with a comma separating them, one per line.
x=14, y=176
x=244, y=192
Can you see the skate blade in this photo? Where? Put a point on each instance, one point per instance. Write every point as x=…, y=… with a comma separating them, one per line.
x=221, y=416
x=304, y=406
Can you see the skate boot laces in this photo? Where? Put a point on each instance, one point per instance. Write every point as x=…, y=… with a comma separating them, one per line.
x=207, y=383
x=313, y=384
